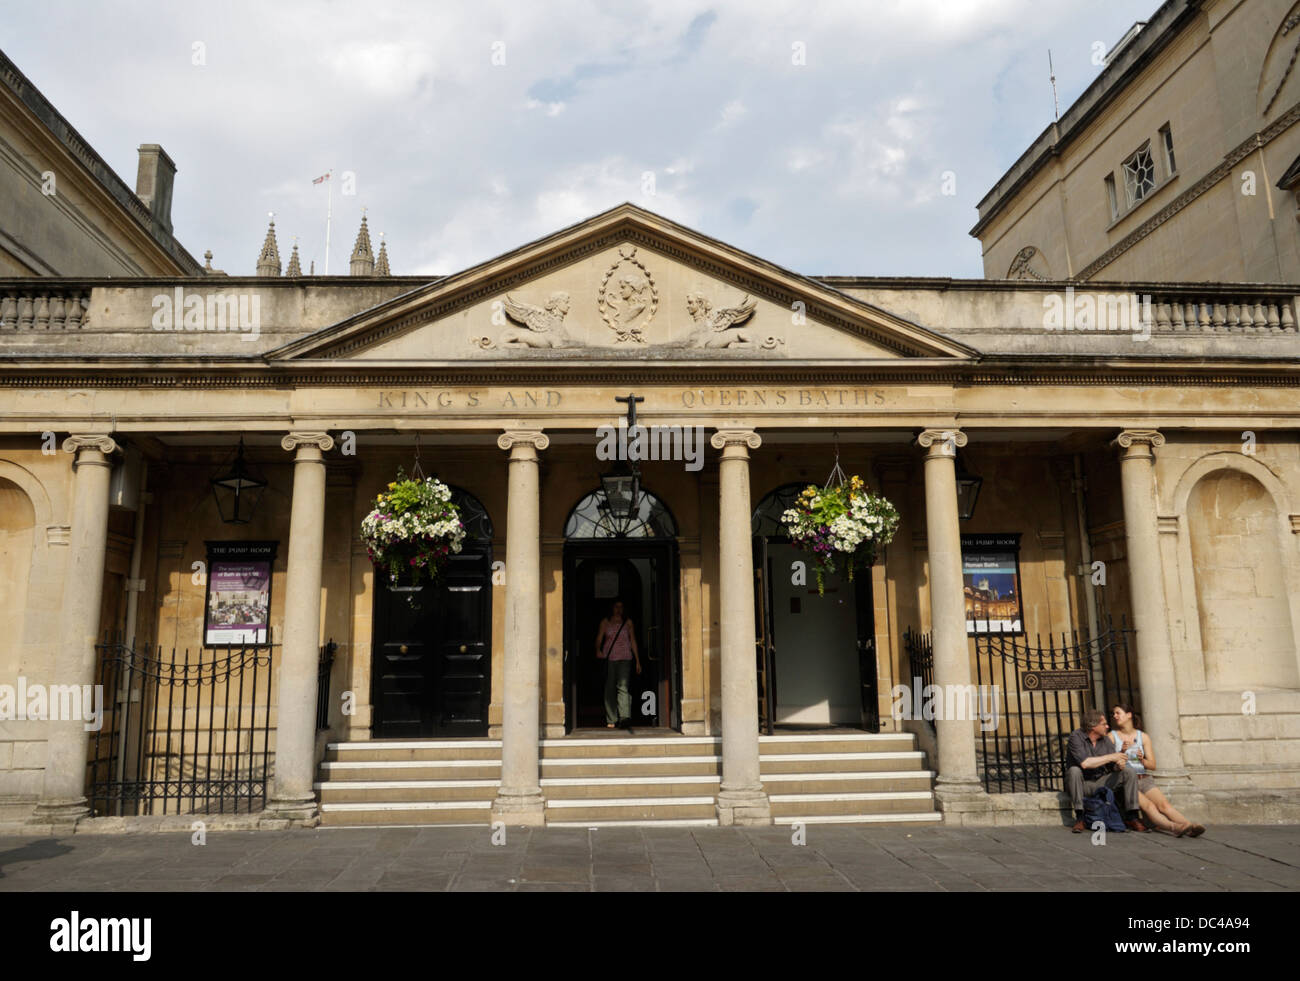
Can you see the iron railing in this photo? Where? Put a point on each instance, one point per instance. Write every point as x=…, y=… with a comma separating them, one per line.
x=920, y=661
x=182, y=733
x=323, y=685
x=1024, y=748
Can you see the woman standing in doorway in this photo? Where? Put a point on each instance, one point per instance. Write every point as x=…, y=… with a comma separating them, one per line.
x=616, y=646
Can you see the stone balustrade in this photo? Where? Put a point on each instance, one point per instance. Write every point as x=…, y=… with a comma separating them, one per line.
x=42, y=308
x=1219, y=314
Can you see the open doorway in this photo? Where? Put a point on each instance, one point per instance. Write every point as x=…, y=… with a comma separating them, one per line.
x=817, y=664
x=642, y=572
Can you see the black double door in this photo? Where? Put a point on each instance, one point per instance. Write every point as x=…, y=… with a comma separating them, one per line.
x=432, y=666
x=644, y=575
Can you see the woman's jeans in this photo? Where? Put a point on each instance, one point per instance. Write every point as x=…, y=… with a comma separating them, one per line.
x=618, y=699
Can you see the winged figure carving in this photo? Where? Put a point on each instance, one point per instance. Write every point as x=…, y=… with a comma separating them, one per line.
x=539, y=326
x=716, y=328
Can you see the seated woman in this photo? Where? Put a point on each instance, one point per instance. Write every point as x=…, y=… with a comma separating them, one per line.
x=1136, y=745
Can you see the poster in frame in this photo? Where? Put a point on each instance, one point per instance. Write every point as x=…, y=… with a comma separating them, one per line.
x=237, y=607
x=990, y=572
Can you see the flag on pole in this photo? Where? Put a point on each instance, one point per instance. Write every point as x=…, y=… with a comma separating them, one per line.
x=323, y=177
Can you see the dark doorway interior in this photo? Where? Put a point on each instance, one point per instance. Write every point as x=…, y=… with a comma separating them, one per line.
x=644, y=576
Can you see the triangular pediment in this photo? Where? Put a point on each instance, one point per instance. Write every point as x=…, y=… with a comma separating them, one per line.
x=626, y=284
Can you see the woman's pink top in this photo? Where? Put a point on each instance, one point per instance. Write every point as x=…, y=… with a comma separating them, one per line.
x=621, y=649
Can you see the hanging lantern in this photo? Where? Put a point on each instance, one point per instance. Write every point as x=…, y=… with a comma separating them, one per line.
x=968, y=489
x=622, y=488
x=237, y=490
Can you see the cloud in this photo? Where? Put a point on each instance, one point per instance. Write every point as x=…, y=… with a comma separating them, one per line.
x=474, y=127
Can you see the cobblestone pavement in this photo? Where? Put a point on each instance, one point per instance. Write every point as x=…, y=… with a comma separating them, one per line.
x=835, y=858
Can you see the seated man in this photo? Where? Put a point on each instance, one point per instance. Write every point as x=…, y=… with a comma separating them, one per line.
x=1093, y=764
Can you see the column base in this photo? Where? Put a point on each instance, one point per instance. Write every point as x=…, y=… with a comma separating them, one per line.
x=522, y=810
x=957, y=791
x=62, y=815
x=289, y=812
x=743, y=808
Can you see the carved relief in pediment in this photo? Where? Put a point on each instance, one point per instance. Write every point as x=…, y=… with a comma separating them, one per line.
x=628, y=298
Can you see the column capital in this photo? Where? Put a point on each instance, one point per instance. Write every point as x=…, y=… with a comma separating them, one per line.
x=942, y=442
x=535, y=438
x=1138, y=437
x=90, y=441
x=735, y=437
x=322, y=441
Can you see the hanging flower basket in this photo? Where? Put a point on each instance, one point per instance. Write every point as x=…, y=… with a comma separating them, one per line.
x=411, y=529
x=844, y=524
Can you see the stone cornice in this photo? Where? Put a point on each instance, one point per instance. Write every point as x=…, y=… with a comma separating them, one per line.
x=1028, y=373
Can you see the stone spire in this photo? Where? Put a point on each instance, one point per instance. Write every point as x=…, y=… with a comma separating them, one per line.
x=295, y=267
x=268, y=263
x=381, y=264
x=363, y=259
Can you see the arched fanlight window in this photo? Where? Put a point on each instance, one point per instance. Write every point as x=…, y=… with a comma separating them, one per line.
x=473, y=515
x=766, y=522
x=592, y=518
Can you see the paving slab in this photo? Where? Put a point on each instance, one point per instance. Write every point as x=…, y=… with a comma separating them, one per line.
x=834, y=858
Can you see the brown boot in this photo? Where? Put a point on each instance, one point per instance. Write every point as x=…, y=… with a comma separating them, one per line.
x=1078, y=828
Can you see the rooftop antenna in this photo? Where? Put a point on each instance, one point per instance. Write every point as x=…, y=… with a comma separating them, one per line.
x=1052, y=70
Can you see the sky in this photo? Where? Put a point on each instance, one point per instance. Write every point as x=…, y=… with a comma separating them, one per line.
x=831, y=138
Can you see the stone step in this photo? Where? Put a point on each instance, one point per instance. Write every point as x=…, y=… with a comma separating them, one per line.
x=476, y=813
x=892, y=819
x=836, y=762
x=396, y=750
x=634, y=809
x=873, y=785
x=348, y=770
x=850, y=742
x=627, y=780
x=904, y=801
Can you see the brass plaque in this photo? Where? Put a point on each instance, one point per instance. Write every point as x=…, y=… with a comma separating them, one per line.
x=1054, y=680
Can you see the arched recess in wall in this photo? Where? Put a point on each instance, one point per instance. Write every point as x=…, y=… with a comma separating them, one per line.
x=1279, y=77
x=1235, y=527
x=17, y=551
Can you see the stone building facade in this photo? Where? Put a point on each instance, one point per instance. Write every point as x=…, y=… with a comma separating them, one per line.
x=1162, y=449
x=1178, y=163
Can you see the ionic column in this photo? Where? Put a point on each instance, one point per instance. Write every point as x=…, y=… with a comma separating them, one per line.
x=957, y=775
x=1155, y=659
x=741, y=799
x=519, y=800
x=63, y=794
x=292, y=798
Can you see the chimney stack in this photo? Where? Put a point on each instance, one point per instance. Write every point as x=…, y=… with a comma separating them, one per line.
x=153, y=183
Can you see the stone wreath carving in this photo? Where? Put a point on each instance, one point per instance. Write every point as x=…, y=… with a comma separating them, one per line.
x=539, y=327
x=628, y=297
